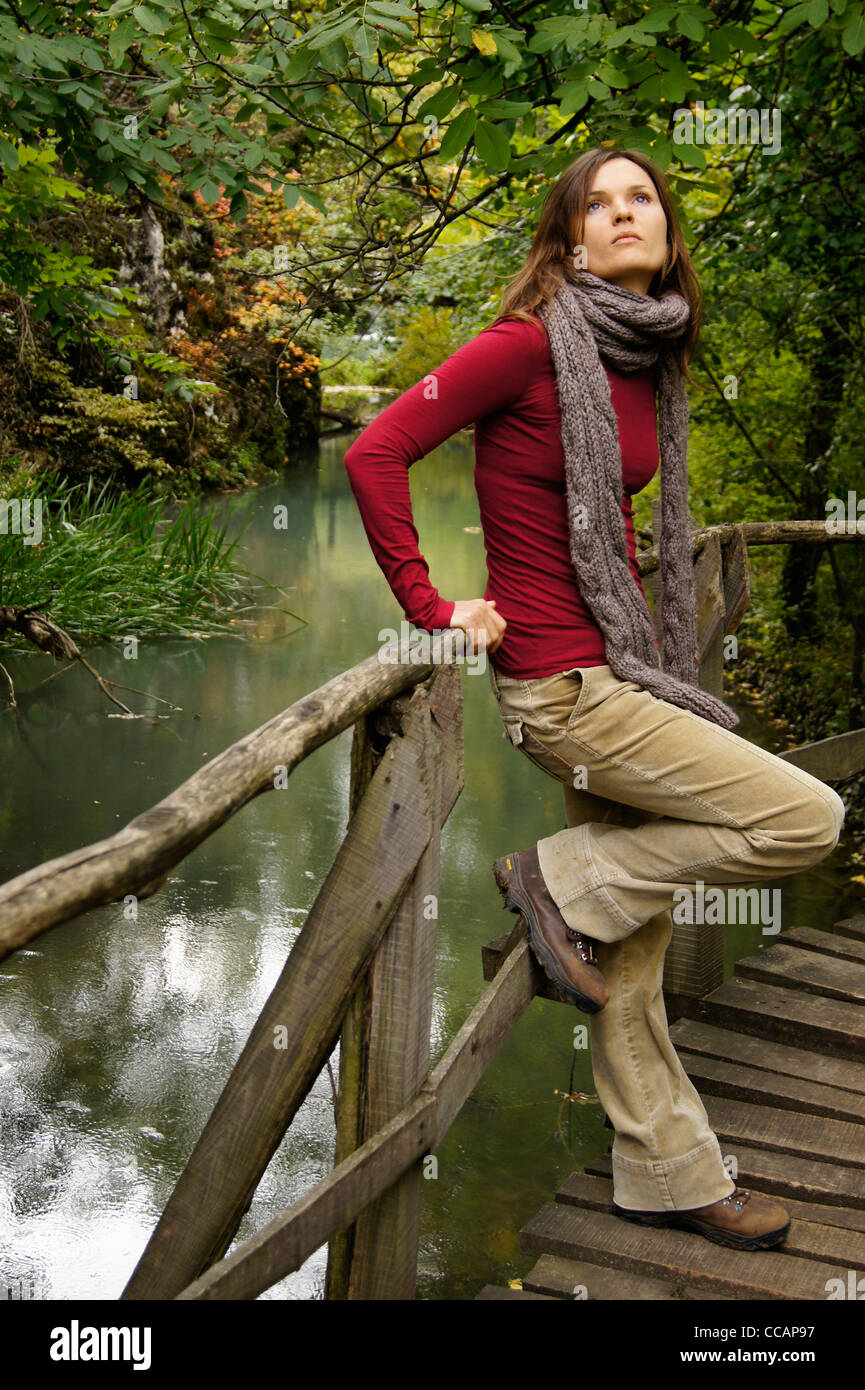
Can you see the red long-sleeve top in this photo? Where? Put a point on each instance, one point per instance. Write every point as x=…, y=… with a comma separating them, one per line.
x=503, y=381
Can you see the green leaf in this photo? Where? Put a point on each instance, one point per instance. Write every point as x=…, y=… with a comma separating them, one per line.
x=166, y=161
x=564, y=29
x=793, y=18
x=500, y=108
x=8, y=154
x=690, y=27
x=290, y=195
x=313, y=199
x=440, y=104
x=691, y=156
x=612, y=76
x=659, y=20
x=122, y=37
x=476, y=6
x=853, y=38
x=599, y=90
x=493, y=145
x=149, y=20
x=629, y=33
x=364, y=43
x=458, y=134
x=574, y=98
x=508, y=50
x=818, y=13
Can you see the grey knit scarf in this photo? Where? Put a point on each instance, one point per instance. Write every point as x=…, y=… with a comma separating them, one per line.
x=587, y=319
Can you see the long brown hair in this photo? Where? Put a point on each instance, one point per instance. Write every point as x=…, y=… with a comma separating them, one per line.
x=550, y=258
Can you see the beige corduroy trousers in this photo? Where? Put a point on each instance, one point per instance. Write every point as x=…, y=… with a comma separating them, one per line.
x=657, y=800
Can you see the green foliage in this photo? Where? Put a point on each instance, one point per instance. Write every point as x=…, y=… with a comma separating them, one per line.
x=425, y=339
x=109, y=565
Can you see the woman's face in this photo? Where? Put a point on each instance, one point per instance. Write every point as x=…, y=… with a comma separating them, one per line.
x=625, y=231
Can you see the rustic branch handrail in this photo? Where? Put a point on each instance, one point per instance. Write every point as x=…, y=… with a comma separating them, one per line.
x=137, y=858
x=755, y=533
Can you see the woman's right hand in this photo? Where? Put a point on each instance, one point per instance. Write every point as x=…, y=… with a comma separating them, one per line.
x=479, y=619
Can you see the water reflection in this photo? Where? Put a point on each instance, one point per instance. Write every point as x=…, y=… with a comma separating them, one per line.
x=117, y=1033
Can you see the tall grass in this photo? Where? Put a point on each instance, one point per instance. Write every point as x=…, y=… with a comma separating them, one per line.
x=110, y=564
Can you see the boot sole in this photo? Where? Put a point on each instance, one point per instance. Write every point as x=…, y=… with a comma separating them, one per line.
x=703, y=1228
x=515, y=900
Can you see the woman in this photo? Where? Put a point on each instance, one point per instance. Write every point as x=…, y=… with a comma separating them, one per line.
x=577, y=391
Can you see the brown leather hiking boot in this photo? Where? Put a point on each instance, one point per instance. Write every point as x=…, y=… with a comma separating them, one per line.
x=744, y=1220
x=566, y=955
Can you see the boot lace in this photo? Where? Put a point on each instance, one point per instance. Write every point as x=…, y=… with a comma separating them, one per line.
x=741, y=1195
x=583, y=946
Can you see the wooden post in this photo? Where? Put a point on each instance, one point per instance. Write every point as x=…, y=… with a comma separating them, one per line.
x=384, y=1049
x=298, y=1027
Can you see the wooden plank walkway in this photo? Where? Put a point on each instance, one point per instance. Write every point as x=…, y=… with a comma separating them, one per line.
x=778, y=1056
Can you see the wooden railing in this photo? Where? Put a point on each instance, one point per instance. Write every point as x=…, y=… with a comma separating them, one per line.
x=360, y=972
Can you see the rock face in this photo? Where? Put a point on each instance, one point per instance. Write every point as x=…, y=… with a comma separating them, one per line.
x=143, y=267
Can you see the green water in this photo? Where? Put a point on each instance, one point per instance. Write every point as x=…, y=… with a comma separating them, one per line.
x=116, y=1035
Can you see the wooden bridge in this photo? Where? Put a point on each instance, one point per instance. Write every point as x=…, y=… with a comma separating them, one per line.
x=778, y=1056
x=777, y=1052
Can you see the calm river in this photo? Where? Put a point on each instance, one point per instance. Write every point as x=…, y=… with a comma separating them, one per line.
x=116, y=1036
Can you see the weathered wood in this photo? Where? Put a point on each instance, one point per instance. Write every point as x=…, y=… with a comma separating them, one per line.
x=385, y=1039
x=853, y=927
x=711, y=617
x=507, y=1295
x=737, y=579
x=446, y=1089
x=789, y=1131
x=779, y=1059
x=825, y=943
x=139, y=856
x=787, y=1016
x=560, y=1278
x=596, y=1194
x=815, y=1240
x=808, y=971
x=293, y=1236
x=754, y=533
x=365, y=757
x=734, y=1081
x=372, y=869
x=399, y=1012
x=609, y=1240
x=831, y=759
x=788, y=1176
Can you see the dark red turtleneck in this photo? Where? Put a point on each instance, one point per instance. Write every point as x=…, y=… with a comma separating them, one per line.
x=503, y=381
